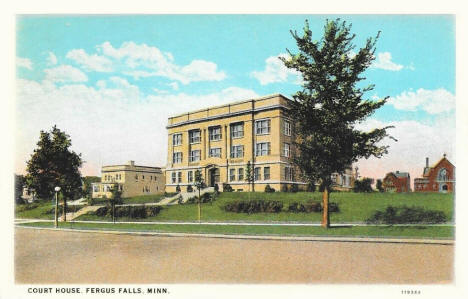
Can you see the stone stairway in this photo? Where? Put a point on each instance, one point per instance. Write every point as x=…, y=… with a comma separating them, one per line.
x=173, y=200
x=85, y=210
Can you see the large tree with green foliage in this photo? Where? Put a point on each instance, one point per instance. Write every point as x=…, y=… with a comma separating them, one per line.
x=53, y=164
x=331, y=103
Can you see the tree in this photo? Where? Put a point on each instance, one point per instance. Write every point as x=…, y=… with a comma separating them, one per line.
x=330, y=105
x=249, y=175
x=115, y=199
x=19, y=184
x=363, y=185
x=54, y=164
x=379, y=185
x=199, y=184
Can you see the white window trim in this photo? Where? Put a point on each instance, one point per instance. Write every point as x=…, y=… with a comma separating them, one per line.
x=268, y=121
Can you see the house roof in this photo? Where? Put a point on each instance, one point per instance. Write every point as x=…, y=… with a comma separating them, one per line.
x=427, y=170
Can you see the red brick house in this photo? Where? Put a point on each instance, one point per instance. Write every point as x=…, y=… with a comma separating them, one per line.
x=397, y=182
x=438, y=178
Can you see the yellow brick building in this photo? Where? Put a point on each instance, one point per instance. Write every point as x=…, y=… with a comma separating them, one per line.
x=133, y=180
x=220, y=141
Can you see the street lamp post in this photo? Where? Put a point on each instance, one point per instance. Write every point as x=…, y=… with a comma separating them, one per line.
x=57, y=189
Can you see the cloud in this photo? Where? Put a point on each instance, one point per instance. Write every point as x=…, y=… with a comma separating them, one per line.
x=141, y=60
x=51, y=59
x=111, y=122
x=430, y=101
x=90, y=62
x=416, y=141
x=65, y=73
x=384, y=61
x=24, y=62
x=275, y=71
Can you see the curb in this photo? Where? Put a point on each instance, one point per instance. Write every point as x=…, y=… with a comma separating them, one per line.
x=259, y=237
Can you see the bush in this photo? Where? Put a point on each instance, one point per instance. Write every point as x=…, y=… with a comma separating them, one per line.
x=312, y=207
x=70, y=209
x=216, y=188
x=254, y=206
x=294, y=188
x=189, y=188
x=311, y=187
x=363, y=185
x=227, y=188
x=130, y=211
x=404, y=215
x=284, y=188
x=205, y=198
x=177, y=189
x=268, y=189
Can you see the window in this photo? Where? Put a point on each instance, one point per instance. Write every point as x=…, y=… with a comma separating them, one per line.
x=286, y=150
x=190, y=176
x=262, y=149
x=287, y=128
x=177, y=157
x=237, y=130
x=232, y=174
x=177, y=139
x=142, y=177
x=237, y=151
x=266, y=173
x=195, y=156
x=174, y=177
x=240, y=174
x=257, y=174
x=194, y=136
x=179, y=177
x=215, y=152
x=95, y=188
x=215, y=133
x=442, y=175
x=262, y=127
x=136, y=176
x=288, y=173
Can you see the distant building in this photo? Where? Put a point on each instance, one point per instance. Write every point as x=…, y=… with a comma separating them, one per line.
x=345, y=181
x=437, y=178
x=28, y=195
x=397, y=182
x=131, y=179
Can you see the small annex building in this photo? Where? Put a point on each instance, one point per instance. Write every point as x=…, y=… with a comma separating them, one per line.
x=438, y=178
x=131, y=179
x=397, y=182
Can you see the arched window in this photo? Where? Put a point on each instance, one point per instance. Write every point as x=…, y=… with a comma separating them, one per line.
x=443, y=176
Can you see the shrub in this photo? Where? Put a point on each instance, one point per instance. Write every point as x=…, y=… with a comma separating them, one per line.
x=311, y=187
x=189, y=188
x=284, y=188
x=363, y=185
x=216, y=188
x=294, y=188
x=227, y=188
x=311, y=207
x=177, y=188
x=90, y=201
x=399, y=215
x=268, y=189
x=254, y=206
x=130, y=211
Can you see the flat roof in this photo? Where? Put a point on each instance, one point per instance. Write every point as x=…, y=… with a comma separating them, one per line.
x=232, y=103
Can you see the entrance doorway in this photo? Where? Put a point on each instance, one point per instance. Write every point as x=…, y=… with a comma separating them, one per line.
x=214, y=176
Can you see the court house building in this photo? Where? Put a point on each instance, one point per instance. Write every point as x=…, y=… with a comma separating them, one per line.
x=220, y=141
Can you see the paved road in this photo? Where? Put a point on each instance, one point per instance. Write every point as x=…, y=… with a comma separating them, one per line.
x=45, y=256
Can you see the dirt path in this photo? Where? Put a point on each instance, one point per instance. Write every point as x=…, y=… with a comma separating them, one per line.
x=43, y=256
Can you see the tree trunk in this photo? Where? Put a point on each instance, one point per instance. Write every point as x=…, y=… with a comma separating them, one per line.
x=325, y=212
x=64, y=209
x=199, y=206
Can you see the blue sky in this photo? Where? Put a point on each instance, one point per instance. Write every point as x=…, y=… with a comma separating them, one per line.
x=109, y=78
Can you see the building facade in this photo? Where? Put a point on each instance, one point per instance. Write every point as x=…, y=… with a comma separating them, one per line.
x=221, y=141
x=131, y=179
x=344, y=181
x=397, y=182
x=437, y=178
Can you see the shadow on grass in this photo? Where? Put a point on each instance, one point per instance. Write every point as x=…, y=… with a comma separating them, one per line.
x=340, y=226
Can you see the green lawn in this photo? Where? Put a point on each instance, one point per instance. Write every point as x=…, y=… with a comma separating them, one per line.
x=354, y=207
x=439, y=232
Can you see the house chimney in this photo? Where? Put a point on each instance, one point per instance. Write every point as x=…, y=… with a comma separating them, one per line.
x=427, y=162
x=131, y=163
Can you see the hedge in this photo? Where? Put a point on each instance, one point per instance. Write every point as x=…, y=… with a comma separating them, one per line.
x=254, y=206
x=129, y=211
x=311, y=207
x=398, y=215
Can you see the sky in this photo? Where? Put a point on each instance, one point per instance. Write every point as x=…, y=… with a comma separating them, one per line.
x=111, y=82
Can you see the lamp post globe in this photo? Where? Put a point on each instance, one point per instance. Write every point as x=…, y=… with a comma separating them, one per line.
x=57, y=189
